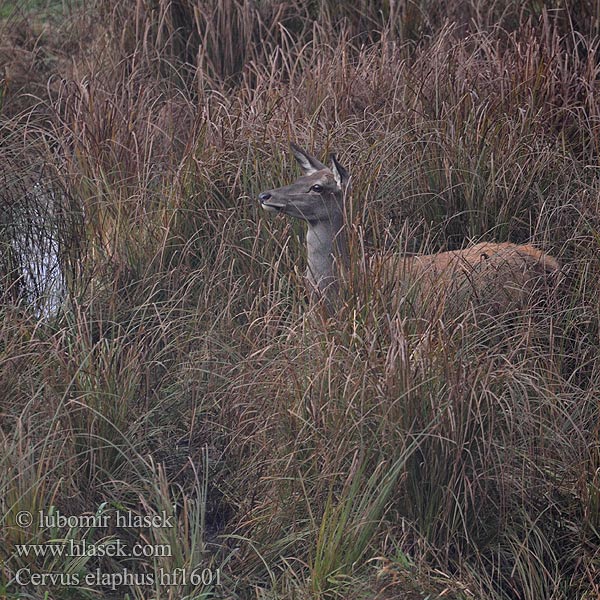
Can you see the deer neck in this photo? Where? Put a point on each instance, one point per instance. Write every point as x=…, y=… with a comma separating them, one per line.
x=327, y=253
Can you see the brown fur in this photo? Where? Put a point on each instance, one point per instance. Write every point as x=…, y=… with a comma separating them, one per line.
x=496, y=276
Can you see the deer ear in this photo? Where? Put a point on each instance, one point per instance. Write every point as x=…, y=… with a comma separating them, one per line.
x=309, y=164
x=341, y=175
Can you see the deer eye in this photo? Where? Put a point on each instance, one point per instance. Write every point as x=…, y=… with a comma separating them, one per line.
x=316, y=188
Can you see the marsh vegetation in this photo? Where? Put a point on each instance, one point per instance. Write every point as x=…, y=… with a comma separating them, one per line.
x=172, y=371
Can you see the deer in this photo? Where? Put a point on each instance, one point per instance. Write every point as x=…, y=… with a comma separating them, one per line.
x=497, y=276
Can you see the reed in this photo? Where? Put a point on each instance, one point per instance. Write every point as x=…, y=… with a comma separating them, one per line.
x=378, y=454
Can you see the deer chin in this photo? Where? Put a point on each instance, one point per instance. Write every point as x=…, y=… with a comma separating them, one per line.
x=270, y=207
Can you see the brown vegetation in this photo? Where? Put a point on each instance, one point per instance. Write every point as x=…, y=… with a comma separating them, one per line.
x=169, y=367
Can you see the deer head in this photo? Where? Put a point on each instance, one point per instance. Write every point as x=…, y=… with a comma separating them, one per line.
x=316, y=197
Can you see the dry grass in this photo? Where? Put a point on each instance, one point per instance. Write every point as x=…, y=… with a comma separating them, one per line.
x=374, y=455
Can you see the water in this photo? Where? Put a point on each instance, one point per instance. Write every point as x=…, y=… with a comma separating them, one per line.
x=31, y=233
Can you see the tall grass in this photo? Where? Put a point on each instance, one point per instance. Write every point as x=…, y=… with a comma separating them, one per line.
x=180, y=374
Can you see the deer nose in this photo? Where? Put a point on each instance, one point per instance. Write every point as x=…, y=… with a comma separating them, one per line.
x=264, y=196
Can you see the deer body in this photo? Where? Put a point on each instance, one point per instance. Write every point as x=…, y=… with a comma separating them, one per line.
x=494, y=273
